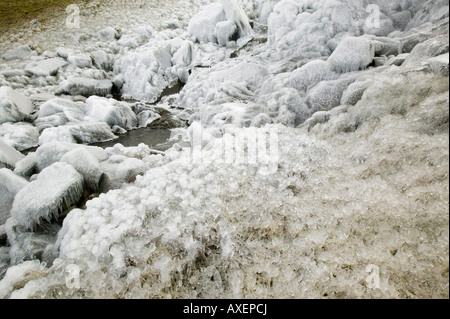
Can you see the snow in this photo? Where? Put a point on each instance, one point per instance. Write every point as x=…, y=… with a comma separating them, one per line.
x=14, y=107
x=55, y=190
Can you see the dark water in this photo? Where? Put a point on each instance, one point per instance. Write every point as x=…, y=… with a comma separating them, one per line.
x=155, y=138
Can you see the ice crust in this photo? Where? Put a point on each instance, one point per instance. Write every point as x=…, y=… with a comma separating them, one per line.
x=360, y=183
x=56, y=189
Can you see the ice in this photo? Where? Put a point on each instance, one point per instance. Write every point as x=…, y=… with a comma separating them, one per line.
x=72, y=111
x=26, y=167
x=146, y=72
x=440, y=63
x=48, y=67
x=108, y=34
x=428, y=49
x=311, y=74
x=9, y=156
x=86, y=164
x=327, y=94
x=14, y=107
x=19, y=53
x=80, y=60
x=352, y=54
x=129, y=169
x=55, y=190
x=359, y=183
x=28, y=245
x=223, y=23
x=86, y=87
x=102, y=60
x=10, y=185
x=85, y=133
x=111, y=112
x=21, y=136
x=52, y=152
x=18, y=276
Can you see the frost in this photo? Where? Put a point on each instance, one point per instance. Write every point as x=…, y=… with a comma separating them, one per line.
x=55, y=190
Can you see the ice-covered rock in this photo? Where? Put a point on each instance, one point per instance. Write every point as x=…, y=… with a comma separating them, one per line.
x=86, y=164
x=226, y=82
x=20, y=275
x=327, y=94
x=72, y=111
x=311, y=74
x=431, y=48
x=108, y=34
x=9, y=156
x=21, y=136
x=52, y=152
x=14, y=107
x=86, y=87
x=102, y=60
x=55, y=190
x=84, y=133
x=223, y=23
x=29, y=245
x=27, y=166
x=10, y=185
x=146, y=72
x=129, y=169
x=440, y=64
x=111, y=112
x=20, y=53
x=80, y=60
x=352, y=54
x=47, y=67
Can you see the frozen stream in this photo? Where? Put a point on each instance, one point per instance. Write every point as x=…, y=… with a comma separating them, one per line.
x=302, y=154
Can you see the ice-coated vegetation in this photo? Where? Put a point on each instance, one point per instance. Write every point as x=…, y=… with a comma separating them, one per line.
x=346, y=196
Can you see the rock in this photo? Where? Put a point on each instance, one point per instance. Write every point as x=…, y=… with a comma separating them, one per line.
x=45, y=67
x=80, y=60
x=10, y=185
x=27, y=166
x=352, y=54
x=439, y=64
x=108, y=34
x=83, y=133
x=102, y=60
x=86, y=87
x=9, y=156
x=55, y=190
x=111, y=112
x=14, y=107
x=20, y=53
x=428, y=49
x=21, y=136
